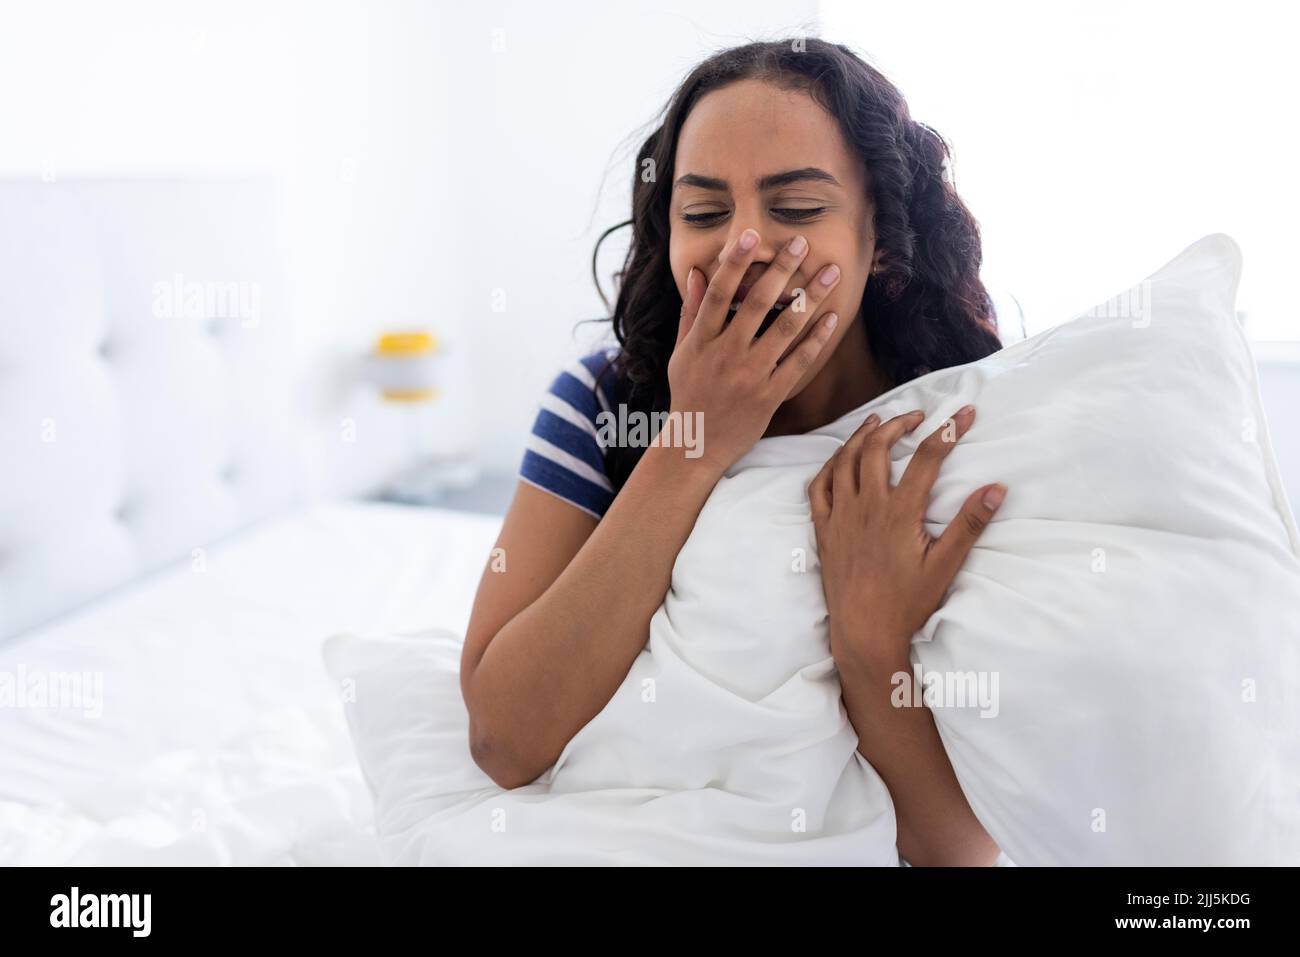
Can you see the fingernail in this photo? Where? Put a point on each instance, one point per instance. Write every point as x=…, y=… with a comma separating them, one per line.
x=873, y=418
x=690, y=281
x=993, y=497
x=831, y=322
x=798, y=245
x=829, y=275
x=966, y=410
x=748, y=239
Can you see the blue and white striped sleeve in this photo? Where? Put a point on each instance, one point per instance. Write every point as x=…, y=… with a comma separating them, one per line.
x=564, y=454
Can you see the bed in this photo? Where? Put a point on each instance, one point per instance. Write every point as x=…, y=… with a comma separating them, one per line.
x=219, y=738
x=173, y=547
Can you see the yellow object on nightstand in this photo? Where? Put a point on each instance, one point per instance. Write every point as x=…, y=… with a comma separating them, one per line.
x=407, y=372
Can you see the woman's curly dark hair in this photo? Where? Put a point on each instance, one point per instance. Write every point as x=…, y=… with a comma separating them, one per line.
x=926, y=310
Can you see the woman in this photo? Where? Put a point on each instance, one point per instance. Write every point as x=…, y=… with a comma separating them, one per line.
x=797, y=251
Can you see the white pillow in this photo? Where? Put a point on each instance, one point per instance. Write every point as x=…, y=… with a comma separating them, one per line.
x=1138, y=593
x=401, y=694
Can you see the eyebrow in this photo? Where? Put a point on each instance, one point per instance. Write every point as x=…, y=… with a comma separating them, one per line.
x=771, y=181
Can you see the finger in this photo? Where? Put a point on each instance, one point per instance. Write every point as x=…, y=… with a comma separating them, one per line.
x=846, y=465
x=950, y=551
x=820, y=491
x=853, y=450
x=762, y=297
x=874, y=463
x=791, y=369
x=721, y=291
x=691, y=304
x=923, y=470
x=776, y=341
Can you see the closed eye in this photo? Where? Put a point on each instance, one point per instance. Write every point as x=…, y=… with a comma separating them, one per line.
x=794, y=215
x=800, y=215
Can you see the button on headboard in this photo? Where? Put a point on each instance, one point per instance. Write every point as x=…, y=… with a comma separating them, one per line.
x=145, y=366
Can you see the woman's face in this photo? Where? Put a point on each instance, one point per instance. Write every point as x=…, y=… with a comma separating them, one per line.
x=744, y=132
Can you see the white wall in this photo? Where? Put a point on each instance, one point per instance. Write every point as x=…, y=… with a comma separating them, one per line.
x=345, y=102
x=1096, y=139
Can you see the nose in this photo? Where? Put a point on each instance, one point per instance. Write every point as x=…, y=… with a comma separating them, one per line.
x=769, y=243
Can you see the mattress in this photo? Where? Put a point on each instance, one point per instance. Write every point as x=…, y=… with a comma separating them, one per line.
x=196, y=724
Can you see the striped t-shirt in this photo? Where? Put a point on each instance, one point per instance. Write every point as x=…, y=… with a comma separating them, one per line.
x=564, y=454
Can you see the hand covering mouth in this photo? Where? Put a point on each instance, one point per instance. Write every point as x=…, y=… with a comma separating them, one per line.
x=780, y=306
x=767, y=320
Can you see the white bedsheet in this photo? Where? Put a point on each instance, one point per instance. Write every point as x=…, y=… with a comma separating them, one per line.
x=221, y=738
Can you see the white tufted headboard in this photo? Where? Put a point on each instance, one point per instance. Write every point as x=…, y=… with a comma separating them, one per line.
x=145, y=366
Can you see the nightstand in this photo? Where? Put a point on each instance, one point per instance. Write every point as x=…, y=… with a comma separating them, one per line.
x=448, y=485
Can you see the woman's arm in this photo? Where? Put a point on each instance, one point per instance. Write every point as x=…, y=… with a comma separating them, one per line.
x=553, y=635
x=935, y=823
x=884, y=576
